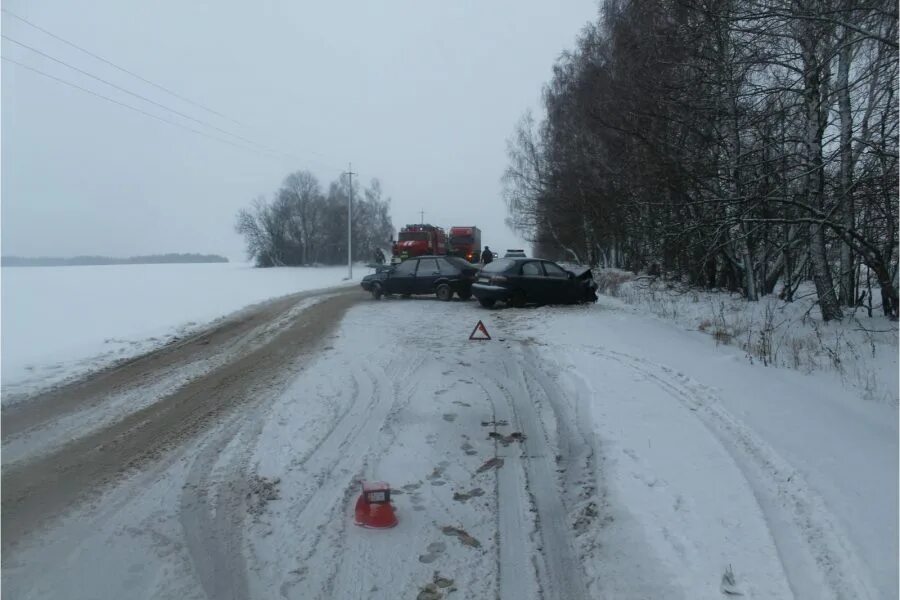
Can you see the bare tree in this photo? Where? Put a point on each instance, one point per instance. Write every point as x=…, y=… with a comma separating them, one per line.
x=303, y=226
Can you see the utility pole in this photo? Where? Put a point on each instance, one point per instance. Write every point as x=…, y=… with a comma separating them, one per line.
x=422, y=217
x=350, y=175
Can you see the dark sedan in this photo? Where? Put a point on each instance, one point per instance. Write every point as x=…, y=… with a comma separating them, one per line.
x=521, y=281
x=439, y=275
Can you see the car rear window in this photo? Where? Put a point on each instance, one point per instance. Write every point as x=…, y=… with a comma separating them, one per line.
x=498, y=266
x=457, y=262
x=532, y=269
x=554, y=271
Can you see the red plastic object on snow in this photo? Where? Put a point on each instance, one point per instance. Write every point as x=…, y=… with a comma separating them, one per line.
x=374, y=508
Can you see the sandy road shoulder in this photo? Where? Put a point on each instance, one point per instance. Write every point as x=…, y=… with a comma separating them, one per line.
x=37, y=491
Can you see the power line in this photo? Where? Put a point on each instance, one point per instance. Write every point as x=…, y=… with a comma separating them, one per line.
x=250, y=142
x=134, y=108
x=136, y=95
x=114, y=65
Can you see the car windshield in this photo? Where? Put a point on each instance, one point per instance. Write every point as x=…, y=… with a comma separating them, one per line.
x=498, y=266
x=461, y=239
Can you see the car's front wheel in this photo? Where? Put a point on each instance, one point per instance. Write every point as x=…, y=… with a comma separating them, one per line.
x=377, y=292
x=444, y=292
x=487, y=302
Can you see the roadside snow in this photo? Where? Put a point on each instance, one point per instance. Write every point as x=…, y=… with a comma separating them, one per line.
x=681, y=422
x=862, y=350
x=58, y=322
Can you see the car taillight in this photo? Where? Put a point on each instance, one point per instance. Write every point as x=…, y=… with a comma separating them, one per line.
x=498, y=279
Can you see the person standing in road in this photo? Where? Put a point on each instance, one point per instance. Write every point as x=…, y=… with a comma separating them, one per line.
x=487, y=256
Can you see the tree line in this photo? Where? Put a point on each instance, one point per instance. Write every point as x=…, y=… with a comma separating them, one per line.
x=302, y=225
x=736, y=144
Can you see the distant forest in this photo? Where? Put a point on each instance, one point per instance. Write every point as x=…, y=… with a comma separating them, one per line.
x=153, y=259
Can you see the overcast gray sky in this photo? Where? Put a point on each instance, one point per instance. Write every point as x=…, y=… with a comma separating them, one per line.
x=421, y=94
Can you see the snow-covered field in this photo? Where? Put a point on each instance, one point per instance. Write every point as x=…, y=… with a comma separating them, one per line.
x=58, y=322
x=649, y=462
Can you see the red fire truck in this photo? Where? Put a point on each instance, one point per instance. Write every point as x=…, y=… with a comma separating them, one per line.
x=465, y=242
x=419, y=240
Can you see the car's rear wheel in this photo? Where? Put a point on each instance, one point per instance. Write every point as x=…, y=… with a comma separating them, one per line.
x=377, y=292
x=444, y=292
x=518, y=299
x=464, y=294
x=487, y=302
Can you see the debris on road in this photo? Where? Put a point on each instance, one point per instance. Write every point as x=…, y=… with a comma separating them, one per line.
x=461, y=535
x=506, y=440
x=464, y=496
x=493, y=463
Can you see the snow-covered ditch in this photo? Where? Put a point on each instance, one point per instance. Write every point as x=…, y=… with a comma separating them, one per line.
x=60, y=322
x=861, y=350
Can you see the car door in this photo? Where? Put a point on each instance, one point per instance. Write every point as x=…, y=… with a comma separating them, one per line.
x=532, y=281
x=450, y=272
x=559, y=288
x=402, y=279
x=426, y=275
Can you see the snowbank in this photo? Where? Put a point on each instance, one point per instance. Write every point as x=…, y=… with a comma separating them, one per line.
x=862, y=350
x=58, y=322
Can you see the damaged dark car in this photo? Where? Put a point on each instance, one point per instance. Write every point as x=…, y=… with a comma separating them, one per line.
x=522, y=281
x=442, y=276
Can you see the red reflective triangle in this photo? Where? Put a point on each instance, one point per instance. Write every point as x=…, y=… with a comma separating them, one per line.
x=482, y=331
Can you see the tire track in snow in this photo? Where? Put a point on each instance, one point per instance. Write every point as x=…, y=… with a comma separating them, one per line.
x=559, y=571
x=584, y=495
x=575, y=439
x=797, y=515
x=516, y=573
x=334, y=466
x=213, y=510
x=357, y=563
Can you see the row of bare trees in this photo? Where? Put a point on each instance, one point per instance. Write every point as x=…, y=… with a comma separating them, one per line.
x=304, y=226
x=731, y=143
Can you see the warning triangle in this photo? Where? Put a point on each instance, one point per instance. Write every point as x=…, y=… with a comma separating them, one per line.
x=481, y=332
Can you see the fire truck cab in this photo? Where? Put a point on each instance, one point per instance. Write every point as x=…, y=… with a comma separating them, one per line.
x=465, y=242
x=419, y=240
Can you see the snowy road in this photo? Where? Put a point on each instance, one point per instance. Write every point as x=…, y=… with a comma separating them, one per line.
x=559, y=460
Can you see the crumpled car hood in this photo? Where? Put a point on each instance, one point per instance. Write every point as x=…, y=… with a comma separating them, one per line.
x=581, y=272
